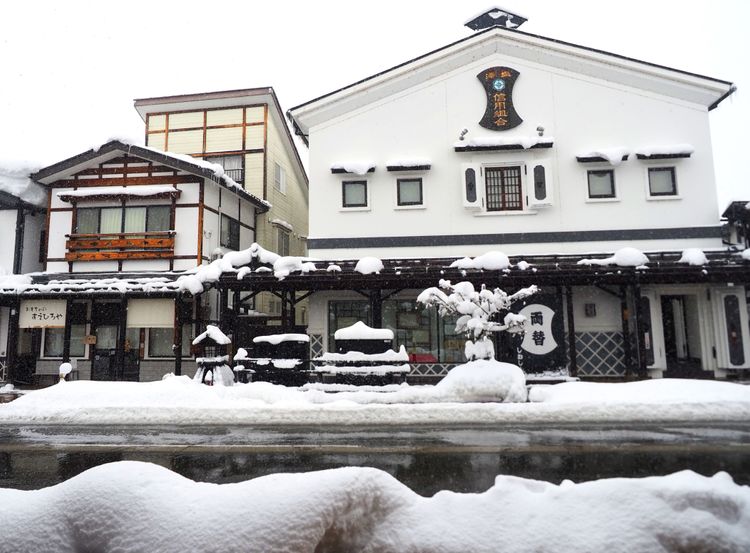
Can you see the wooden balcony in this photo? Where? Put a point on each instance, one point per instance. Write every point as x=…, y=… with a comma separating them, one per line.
x=118, y=246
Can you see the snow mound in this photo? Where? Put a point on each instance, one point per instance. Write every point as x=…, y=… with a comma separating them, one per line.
x=134, y=506
x=746, y=254
x=360, y=331
x=624, y=257
x=369, y=265
x=614, y=156
x=354, y=167
x=694, y=256
x=485, y=380
x=490, y=261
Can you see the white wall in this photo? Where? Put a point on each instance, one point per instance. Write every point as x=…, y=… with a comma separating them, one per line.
x=581, y=114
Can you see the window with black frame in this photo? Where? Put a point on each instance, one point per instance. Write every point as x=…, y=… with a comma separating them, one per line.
x=601, y=183
x=53, y=339
x=409, y=191
x=662, y=181
x=354, y=193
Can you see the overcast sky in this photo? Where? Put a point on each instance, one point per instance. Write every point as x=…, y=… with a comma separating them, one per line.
x=69, y=70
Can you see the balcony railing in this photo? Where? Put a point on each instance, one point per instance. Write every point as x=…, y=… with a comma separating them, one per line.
x=237, y=175
x=121, y=245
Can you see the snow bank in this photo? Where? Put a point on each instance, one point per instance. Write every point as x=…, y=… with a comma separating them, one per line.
x=179, y=400
x=133, y=506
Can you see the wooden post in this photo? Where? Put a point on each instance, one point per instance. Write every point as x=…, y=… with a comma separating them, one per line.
x=572, y=353
x=67, y=331
x=177, y=336
x=121, y=334
x=292, y=309
x=11, y=357
x=626, y=349
x=376, y=308
x=640, y=346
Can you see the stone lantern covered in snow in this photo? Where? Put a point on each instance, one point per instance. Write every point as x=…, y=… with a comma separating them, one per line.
x=212, y=358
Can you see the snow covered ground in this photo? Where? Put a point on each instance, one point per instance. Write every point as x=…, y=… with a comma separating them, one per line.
x=132, y=506
x=480, y=392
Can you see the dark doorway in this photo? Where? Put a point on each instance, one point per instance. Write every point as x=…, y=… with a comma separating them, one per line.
x=29, y=345
x=682, y=342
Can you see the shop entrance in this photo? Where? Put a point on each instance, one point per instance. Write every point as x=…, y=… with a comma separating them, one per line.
x=682, y=340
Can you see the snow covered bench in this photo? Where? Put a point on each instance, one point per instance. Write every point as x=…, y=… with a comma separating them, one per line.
x=364, y=355
x=277, y=358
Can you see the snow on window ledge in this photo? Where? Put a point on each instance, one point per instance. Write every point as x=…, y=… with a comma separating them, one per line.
x=353, y=167
x=668, y=151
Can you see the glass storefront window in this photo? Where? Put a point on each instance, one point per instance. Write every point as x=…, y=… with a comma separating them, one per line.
x=345, y=313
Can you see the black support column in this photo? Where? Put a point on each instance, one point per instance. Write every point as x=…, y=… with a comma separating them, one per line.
x=376, y=308
x=572, y=353
x=178, y=322
x=11, y=358
x=121, y=332
x=626, y=349
x=67, y=331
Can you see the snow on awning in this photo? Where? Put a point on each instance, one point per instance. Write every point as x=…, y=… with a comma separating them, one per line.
x=353, y=167
x=409, y=164
x=613, y=156
x=673, y=151
x=501, y=143
x=93, y=193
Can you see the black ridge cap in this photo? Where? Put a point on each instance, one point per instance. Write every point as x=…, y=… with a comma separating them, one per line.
x=732, y=86
x=151, y=155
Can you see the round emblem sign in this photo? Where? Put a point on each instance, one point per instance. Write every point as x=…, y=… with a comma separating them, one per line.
x=498, y=84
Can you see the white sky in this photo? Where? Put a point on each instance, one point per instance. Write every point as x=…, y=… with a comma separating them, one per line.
x=69, y=71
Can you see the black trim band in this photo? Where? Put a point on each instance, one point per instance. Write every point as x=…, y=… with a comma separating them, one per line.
x=515, y=238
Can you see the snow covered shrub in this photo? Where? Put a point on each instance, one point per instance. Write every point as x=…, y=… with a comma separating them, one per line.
x=478, y=312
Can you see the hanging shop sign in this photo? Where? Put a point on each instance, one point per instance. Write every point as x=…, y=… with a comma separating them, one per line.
x=42, y=314
x=500, y=115
x=542, y=346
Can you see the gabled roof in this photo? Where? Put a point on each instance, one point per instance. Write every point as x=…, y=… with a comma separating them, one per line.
x=691, y=87
x=222, y=99
x=179, y=162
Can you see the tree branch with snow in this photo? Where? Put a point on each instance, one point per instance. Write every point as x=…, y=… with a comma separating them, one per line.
x=478, y=312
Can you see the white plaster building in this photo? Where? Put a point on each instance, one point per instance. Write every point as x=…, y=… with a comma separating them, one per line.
x=510, y=141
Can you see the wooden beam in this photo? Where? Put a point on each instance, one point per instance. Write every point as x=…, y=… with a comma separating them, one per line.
x=117, y=256
x=120, y=243
x=125, y=181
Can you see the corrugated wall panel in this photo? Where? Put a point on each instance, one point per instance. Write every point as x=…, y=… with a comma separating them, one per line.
x=254, y=137
x=156, y=122
x=186, y=142
x=185, y=120
x=224, y=117
x=254, y=174
x=156, y=140
x=255, y=114
x=224, y=140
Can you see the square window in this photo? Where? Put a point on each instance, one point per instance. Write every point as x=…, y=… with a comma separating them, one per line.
x=354, y=193
x=661, y=181
x=409, y=191
x=601, y=183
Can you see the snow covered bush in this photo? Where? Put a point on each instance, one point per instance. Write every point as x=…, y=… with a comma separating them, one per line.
x=485, y=380
x=477, y=312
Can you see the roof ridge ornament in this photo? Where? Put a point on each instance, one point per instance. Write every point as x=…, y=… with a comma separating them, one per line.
x=495, y=17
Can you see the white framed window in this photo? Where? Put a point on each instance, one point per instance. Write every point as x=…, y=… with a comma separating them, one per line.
x=493, y=189
x=279, y=178
x=601, y=184
x=354, y=194
x=662, y=182
x=409, y=192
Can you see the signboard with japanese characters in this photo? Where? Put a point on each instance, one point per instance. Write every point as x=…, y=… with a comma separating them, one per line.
x=500, y=115
x=542, y=346
x=42, y=314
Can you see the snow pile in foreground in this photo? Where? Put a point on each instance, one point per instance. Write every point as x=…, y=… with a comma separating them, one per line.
x=132, y=506
x=480, y=392
x=485, y=380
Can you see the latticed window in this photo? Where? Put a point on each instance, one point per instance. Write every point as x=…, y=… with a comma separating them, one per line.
x=503, y=187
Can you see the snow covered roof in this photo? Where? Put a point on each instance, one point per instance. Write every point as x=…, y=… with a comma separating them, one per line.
x=613, y=156
x=189, y=164
x=354, y=167
x=212, y=333
x=97, y=192
x=664, y=151
x=15, y=180
x=500, y=143
x=41, y=284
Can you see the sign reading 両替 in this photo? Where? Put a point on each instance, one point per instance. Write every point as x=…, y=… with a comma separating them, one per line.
x=541, y=347
x=42, y=314
x=500, y=114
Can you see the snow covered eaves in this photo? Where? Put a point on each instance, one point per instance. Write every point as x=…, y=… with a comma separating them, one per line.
x=353, y=167
x=93, y=193
x=665, y=151
x=212, y=171
x=281, y=223
x=409, y=164
x=502, y=143
x=39, y=284
x=590, y=63
x=17, y=185
x=613, y=156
